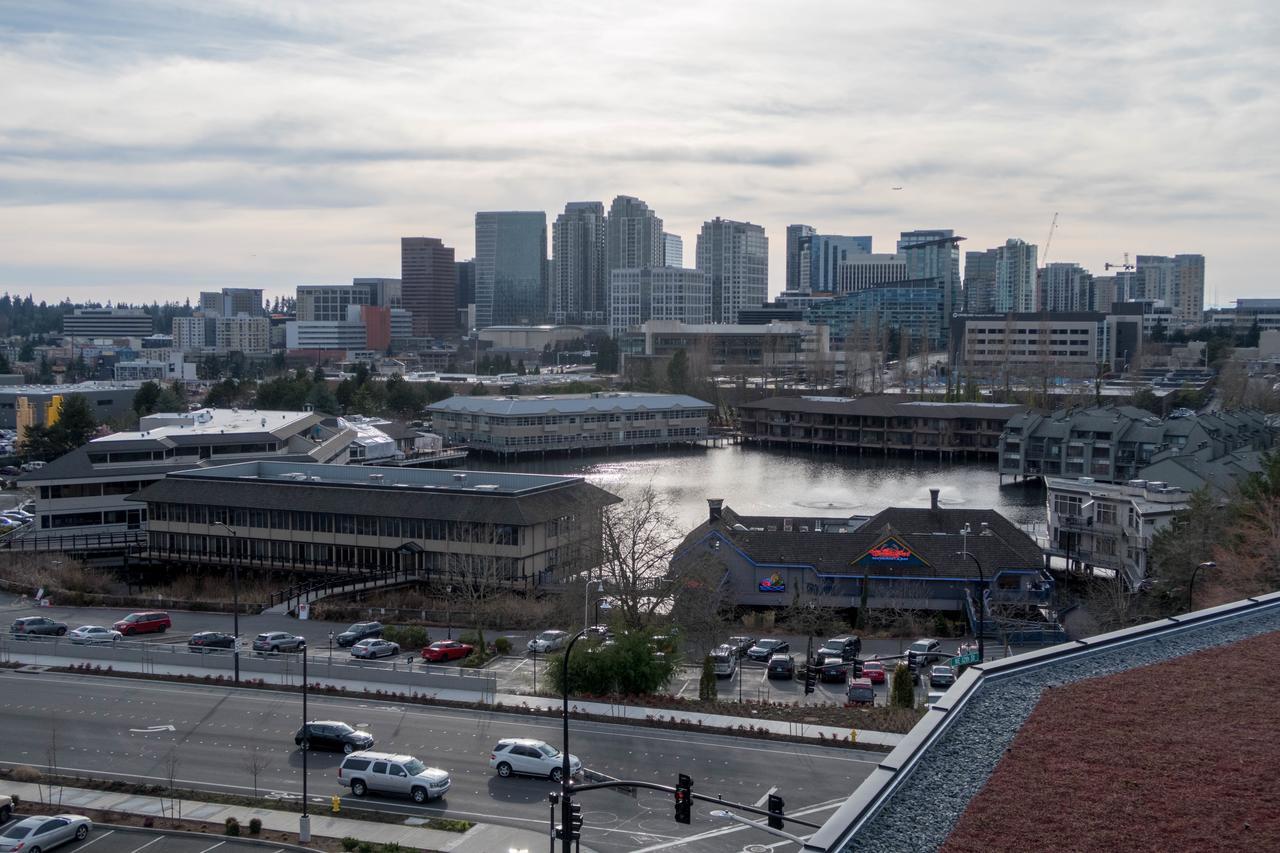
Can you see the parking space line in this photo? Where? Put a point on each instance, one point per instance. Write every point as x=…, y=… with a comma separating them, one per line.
x=214, y=847
x=764, y=797
x=96, y=838
x=148, y=844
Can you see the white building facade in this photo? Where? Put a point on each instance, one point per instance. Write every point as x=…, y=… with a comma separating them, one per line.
x=657, y=293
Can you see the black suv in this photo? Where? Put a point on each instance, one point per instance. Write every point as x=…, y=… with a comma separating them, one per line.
x=837, y=650
x=357, y=632
x=333, y=735
x=42, y=625
x=203, y=640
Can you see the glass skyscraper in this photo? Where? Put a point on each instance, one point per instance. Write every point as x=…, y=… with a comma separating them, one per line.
x=511, y=268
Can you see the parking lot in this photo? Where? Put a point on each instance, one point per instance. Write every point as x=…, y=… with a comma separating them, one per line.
x=111, y=839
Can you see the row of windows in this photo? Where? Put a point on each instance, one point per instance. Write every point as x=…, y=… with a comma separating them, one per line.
x=131, y=517
x=91, y=490
x=186, y=451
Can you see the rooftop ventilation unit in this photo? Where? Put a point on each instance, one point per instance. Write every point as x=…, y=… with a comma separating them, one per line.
x=459, y=477
x=377, y=476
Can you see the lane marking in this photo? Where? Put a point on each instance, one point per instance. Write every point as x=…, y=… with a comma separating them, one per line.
x=96, y=838
x=716, y=833
x=214, y=847
x=764, y=798
x=149, y=843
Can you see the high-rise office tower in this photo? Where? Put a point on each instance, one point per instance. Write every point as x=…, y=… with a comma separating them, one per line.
x=511, y=267
x=465, y=292
x=934, y=253
x=1066, y=286
x=861, y=270
x=634, y=235
x=980, y=282
x=735, y=257
x=383, y=292
x=821, y=256
x=427, y=285
x=672, y=250
x=1177, y=281
x=579, y=288
x=794, y=234
x=1016, y=277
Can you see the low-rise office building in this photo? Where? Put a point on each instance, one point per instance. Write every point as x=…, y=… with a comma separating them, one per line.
x=568, y=422
x=106, y=400
x=727, y=346
x=478, y=527
x=881, y=423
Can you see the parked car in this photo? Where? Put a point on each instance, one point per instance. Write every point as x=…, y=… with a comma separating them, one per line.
x=942, y=676
x=782, y=666
x=20, y=514
x=93, y=634
x=6, y=808
x=39, y=625
x=531, y=758
x=831, y=669
x=873, y=671
x=724, y=661
x=767, y=648
x=921, y=653
x=357, y=632
x=860, y=692
x=333, y=735
x=385, y=773
x=444, y=650
x=844, y=649
x=44, y=833
x=375, y=647
x=548, y=641
x=147, y=622
x=205, y=640
x=279, y=641
x=740, y=644
x=598, y=632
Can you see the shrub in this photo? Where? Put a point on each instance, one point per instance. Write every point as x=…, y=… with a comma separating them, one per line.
x=255, y=826
x=629, y=667
x=503, y=645
x=349, y=844
x=233, y=826
x=707, y=690
x=407, y=636
x=446, y=824
x=391, y=847
x=903, y=692
x=26, y=774
x=365, y=847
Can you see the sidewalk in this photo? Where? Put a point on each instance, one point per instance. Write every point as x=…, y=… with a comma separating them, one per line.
x=481, y=838
x=514, y=700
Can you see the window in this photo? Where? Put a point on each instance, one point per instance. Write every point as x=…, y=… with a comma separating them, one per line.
x=397, y=770
x=1105, y=512
x=1066, y=505
x=379, y=767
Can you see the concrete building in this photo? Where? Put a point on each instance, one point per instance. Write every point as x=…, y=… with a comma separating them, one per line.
x=1177, y=281
x=193, y=334
x=657, y=293
x=92, y=323
x=580, y=281
x=1016, y=277
x=980, y=282
x=530, y=338
x=83, y=492
x=881, y=423
x=735, y=258
x=1065, y=344
x=107, y=400
x=672, y=250
x=242, y=333
x=147, y=370
x=859, y=271
x=465, y=290
x=795, y=233
x=633, y=235
x=1066, y=286
x=428, y=286
x=1265, y=313
x=383, y=292
x=730, y=347
x=570, y=422
x=821, y=258
x=328, y=303
x=511, y=268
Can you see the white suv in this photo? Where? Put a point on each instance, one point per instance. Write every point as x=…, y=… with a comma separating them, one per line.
x=531, y=758
x=384, y=773
x=548, y=641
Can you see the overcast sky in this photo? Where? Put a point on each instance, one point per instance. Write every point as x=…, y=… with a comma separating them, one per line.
x=152, y=149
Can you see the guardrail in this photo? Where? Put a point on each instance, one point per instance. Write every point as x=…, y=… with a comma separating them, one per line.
x=286, y=667
x=72, y=543
x=873, y=795
x=341, y=583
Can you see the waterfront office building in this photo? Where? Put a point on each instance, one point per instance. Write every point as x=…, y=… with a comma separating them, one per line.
x=735, y=258
x=511, y=268
x=480, y=527
x=657, y=293
x=881, y=423
x=599, y=421
x=580, y=275
x=107, y=323
x=82, y=493
x=428, y=286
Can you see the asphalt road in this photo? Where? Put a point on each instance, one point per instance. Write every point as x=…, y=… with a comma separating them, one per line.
x=118, y=839
x=117, y=729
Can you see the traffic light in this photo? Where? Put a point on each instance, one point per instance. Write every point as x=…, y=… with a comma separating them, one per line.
x=684, y=799
x=855, y=668
x=575, y=820
x=775, y=811
x=810, y=679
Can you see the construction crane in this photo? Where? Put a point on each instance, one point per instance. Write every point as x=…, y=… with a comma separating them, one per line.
x=1126, y=266
x=1053, y=226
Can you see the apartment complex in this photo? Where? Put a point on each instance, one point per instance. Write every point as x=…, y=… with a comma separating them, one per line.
x=633, y=235
x=657, y=293
x=242, y=333
x=1016, y=277
x=1177, y=281
x=568, y=422
x=232, y=301
x=735, y=258
x=881, y=423
x=578, y=287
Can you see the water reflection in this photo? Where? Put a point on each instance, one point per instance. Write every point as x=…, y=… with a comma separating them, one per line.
x=774, y=482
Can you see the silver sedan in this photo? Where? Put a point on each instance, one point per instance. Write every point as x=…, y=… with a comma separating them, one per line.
x=44, y=833
x=93, y=634
x=374, y=648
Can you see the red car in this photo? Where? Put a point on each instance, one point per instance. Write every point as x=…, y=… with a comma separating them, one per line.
x=873, y=670
x=151, y=621
x=446, y=650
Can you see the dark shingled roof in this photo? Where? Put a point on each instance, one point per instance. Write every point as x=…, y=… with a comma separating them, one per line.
x=889, y=406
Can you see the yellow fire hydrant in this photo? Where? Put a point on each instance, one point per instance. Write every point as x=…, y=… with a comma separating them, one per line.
x=335, y=803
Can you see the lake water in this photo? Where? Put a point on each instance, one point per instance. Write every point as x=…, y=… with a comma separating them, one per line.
x=756, y=481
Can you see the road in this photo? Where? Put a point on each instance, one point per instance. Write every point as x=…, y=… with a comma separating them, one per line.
x=116, y=729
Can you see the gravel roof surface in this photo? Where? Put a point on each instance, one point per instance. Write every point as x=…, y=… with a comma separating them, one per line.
x=1171, y=756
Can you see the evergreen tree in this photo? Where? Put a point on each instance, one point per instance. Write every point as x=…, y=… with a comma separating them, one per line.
x=678, y=373
x=903, y=692
x=707, y=690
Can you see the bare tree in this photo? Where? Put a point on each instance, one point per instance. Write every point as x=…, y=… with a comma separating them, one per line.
x=701, y=605
x=51, y=761
x=171, y=776
x=255, y=763
x=638, y=540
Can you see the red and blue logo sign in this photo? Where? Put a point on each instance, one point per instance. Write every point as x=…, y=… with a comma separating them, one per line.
x=891, y=551
x=773, y=583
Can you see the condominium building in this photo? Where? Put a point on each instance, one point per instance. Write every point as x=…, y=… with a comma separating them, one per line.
x=497, y=529
x=1016, y=277
x=191, y=334
x=633, y=235
x=428, y=286
x=515, y=425
x=735, y=257
x=579, y=284
x=243, y=333
x=657, y=293
x=672, y=250
x=1066, y=286
x=980, y=282
x=107, y=323
x=1176, y=281
x=511, y=267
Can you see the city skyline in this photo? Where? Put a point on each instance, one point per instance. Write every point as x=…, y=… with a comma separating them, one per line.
x=149, y=152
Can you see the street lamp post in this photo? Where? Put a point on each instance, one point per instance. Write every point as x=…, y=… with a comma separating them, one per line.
x=982, y=589
x=1191, y=584
x=304, y=822
x=607, y=608
x=586, y=598
x=448, y=592
x=566, y=780
x=331, y=648
x=235, y=600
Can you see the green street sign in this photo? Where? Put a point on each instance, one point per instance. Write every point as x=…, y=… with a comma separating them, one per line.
x=965, y=660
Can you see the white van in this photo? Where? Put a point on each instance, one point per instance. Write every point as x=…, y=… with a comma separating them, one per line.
x=724, y=661
x=385, y=773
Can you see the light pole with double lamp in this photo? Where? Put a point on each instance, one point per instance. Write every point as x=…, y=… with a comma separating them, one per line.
x=1191, y=584
x=566, y=780
x=586, y=598
x=965, y=533
x=235, y=598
